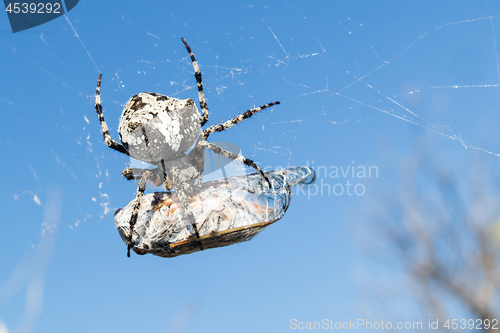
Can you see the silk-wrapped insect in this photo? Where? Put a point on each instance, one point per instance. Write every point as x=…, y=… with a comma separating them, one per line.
x=227, y=211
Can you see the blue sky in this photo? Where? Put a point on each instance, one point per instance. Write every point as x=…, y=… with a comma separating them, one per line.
x=360, y=84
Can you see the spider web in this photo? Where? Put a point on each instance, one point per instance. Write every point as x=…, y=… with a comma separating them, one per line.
x=357, y=86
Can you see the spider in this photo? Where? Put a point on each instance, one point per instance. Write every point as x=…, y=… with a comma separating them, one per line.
x=159, y=130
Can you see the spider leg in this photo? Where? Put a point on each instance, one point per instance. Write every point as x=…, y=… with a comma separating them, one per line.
x=200, y=180
x=105, y=131
x=198, y=161
x=136, y=174
x=181, y=193
x=197, y=157
x=197, y=74
x=218, y=150
x=133, y=218
x=235, y=120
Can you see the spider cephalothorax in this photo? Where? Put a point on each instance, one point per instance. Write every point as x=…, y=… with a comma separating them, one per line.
x=160, y=130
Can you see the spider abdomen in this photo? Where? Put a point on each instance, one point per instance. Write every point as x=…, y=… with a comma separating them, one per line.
x=154, y=127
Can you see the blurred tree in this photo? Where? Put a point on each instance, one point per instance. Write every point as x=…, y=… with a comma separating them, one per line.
x=446, y=230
